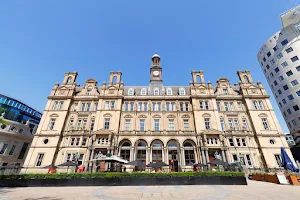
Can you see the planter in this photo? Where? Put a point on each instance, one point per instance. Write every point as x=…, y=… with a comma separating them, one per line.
x=294, y=180
x=126, y=181
x=266, y=178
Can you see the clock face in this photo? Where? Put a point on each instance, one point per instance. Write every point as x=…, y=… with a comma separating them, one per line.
x=155, y=73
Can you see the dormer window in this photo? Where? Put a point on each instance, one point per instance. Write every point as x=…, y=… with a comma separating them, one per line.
x=169, y=91
x=130, y=91
x=89, y=91
x=156, y=91
x=181, y=91
x=225, y=91
x=69, y=80
x=143, y=91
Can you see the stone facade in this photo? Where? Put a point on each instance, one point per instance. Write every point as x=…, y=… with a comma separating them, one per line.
x=176, y=125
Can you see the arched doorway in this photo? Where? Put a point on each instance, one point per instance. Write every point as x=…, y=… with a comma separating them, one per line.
x=125, y=148
x=173, y=155
x=156, y=148
x=189, y=152
x=141, y=152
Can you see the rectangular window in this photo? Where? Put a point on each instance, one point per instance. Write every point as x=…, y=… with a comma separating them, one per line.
x=201, y=103
x=279, y=92
x=255, y=105
x=226, y=106
x=230, y=124
x=84, y=141
x=294, y=59
x=261, y=105
x=280, y=78
x=276, y=69
x=240, y=106
x=55, y=105
x=275, y=83
x=272, y=61
x=279, y=56
x=112, y=105
x=23, y=150
x=207, y=123
x=131, y=107
x=12, y=150
x=236, y=124
x=218, y=106
x=75, y=107
x=235, y=159
x=245, y=125
x=225, y=91
x=230, y=106
x=173, y=107
x=294, y=82
x=284, y=42
x=171, y=125
x=126, y=106
x=222, y=124
x=153, y=107
x=3, y=149
x=71, y=123
x=289, y=111
x=39, y=159
x=265, y=123
x=145, y=107
x=298, y=68
x=230, y=140
x=278, y=159
x=294, y=122
x=275, y=48
x=238, y=142
x=284, y=64
x=82, y=106
x=181, y=106
x=186, y=106
x=156, y=124
x=248, y=160
x=95, y=106
x=127, y=124
x=269, y=54
x=92, y=124
x=79, y=121
x=186, y=125
x=106, y=123
x=244, y=142
x=84, y=122
x=142, y=125
x=283, y=101
x=290, y=97
x=285, y=87
x=51, y=124
x=298, y=93
x=140, y=108
x=158, y=106
x=106, y=105
x=206, y=105
x=288, y=50
x=88, y=107
x=72, y=141
x=289, y=73
x=77, y=141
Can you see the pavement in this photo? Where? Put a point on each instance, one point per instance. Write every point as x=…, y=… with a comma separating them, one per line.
x=255, y=190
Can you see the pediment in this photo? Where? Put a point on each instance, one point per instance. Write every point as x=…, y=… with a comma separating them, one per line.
x=171, y=116
x=107, y=115
x=102, y=132
x=142, y=116
x=212, y=131
x=263, y=115
x=185, y=116
x=128, y=116
x=156, y=116
x=91, y=80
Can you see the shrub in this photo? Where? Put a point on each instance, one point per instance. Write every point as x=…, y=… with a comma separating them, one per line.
x=118, y=175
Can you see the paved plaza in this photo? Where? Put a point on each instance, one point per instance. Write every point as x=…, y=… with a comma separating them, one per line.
x=255, y=190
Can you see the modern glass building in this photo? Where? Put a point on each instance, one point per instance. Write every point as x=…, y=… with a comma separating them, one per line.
x=17, y=111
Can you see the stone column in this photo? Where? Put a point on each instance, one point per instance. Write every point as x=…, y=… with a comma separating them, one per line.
x=223, y=156
x=182, y=157
x=91, y=165
x=131, y=154
x=149, y=152
x=207, y=157
x=203, y=157
x=228, y=156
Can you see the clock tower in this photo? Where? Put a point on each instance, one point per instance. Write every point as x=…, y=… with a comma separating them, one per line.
x=155, y=70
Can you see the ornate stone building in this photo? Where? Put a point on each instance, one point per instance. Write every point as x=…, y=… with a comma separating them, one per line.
x=174, y=124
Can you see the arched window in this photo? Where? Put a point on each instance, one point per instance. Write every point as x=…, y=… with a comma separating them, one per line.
x=114, y=81
x=69, y=80
x=246, y=79
x=130, y=91
x=198, y=79
x=189, y=153
x=169, y=91
x=143, y=91
x=156, y=91
x=181, y=91
x=156, y=148
x=125, y=147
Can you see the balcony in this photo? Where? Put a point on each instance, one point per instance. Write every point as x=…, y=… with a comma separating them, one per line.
x=77, y=131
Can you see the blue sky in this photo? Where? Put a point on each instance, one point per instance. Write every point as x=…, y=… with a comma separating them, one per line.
x=41, y=40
